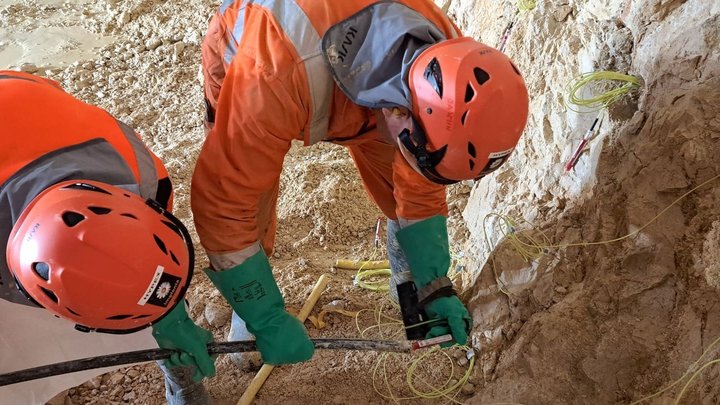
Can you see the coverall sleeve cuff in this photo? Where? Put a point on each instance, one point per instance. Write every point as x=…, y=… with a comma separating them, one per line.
x=226, y=260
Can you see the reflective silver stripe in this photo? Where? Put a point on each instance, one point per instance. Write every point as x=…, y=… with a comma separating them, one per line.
x=235, y=35
x=228, y=260
x=306, y=40
x=94, y=159
x=148, y=176
x=225, y=5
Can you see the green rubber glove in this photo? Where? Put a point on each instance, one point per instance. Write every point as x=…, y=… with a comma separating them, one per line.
x=252, y=292
x=177, y=331
x=426, y=247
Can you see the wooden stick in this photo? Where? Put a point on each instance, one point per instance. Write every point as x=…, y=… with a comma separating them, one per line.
x=361, y=264
x=249, y=396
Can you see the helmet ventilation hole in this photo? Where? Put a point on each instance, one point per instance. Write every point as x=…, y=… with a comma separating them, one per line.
x=118, y=317
x=462, y=118
x=50, y=294
x=433, y=74
x=469, y=93
x=100, y=210
x=472, y=164
x=42, y=269
x=172, y=256
x=140, y=316
x=128, y=215
x=72, y=218
x=85, y=187
x=72, y=312
x=471, y=149
x=160, y=244
x=515, y=69
x=481, y=75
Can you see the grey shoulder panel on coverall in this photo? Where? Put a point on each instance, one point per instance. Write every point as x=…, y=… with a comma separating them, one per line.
x=92, y=160
x=370, y=53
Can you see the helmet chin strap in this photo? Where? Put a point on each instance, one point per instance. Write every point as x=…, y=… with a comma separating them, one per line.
x=416, y=143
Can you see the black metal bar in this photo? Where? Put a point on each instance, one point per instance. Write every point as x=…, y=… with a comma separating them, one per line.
x=141, y=356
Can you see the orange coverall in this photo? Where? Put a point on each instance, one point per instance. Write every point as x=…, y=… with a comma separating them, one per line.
x=259, y=64
x=46, y=136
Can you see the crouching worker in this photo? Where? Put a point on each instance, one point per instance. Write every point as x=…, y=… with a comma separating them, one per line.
x=87, y=240
x=417, y=105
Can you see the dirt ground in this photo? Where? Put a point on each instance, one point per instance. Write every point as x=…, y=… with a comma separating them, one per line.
x=596, y=324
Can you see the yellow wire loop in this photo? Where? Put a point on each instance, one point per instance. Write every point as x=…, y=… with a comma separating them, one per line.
x=606, y=86
x=364, y=279
x=526, y=5
x=530, y=248
x=710, y=348
x=385, y=326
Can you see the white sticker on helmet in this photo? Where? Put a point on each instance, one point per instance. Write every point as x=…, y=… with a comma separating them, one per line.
x=151, y=288
x=500, y=154
x=495, y=160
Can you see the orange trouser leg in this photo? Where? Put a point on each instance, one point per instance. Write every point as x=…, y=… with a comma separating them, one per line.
x=374, y=160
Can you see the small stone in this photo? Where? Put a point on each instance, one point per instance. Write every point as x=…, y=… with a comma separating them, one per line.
x=82, y=84
x=562, y=13
x=28, y=68
x=132, y=373
x=178, y=48
x=152, y=43
x=116, y=392
x=462, y=362
x=116, y=379
x=560, y=289
x=217, y=315
x=276, y=255
x=468, y=388
x=123, y=18
x=130, y=396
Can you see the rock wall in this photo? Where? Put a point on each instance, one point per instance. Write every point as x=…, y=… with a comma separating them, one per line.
x=607, y=323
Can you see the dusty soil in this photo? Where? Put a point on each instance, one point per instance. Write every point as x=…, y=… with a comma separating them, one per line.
x=595, y=324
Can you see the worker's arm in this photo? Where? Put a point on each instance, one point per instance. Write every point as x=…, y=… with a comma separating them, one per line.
x=422, y=212
x=260, y=110
x=256, y=119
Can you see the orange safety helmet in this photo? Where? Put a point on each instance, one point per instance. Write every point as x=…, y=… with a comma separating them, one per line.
x=100, y=256
x=469, y=107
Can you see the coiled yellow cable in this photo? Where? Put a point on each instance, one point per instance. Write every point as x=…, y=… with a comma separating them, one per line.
x=388, y=327
x=605, y=86
x=530, y=248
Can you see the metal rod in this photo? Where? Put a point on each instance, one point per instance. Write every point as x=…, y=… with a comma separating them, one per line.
x=141, y=356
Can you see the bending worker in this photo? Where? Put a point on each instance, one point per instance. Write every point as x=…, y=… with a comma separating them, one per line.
x=87, y=240
x=417, y=105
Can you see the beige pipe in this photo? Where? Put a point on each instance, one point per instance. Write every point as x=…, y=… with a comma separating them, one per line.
x=360, y=264
x=249, y=396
